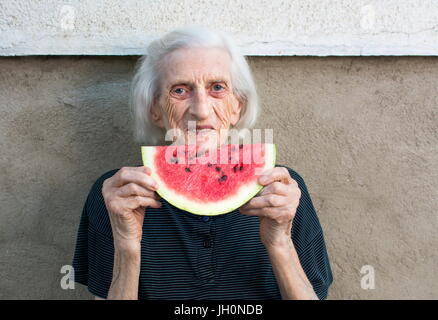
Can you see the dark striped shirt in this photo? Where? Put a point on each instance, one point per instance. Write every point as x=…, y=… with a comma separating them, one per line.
x=186, y=256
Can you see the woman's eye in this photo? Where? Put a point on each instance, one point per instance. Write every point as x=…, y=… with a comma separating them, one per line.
x=217, y=87
x=179, y=90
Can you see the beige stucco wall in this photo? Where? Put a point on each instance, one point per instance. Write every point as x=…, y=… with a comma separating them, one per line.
x=361, y=131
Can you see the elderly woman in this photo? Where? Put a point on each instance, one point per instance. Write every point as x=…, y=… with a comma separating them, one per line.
x=134, y=245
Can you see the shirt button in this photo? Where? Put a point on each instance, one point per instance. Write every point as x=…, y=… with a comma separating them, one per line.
x=207, y=243
x=205, y=218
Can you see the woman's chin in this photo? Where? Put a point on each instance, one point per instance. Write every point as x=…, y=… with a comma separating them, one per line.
x=206, y=142
x=204, y=139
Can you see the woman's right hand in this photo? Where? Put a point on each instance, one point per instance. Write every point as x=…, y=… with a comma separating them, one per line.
x=127, y=193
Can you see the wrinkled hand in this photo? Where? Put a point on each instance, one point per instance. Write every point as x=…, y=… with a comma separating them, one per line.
x=126, y=195
x=275, y=206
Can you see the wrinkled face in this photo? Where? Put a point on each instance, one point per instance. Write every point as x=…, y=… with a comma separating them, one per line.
x=196, y=89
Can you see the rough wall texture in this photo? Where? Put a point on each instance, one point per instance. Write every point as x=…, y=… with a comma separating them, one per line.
x=261, y=27
x=361, y=131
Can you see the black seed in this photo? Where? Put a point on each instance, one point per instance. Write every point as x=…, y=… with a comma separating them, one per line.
x=209, y=165
x=241, y=167
x=188, y=169
x=235, y=168
x=218, y=169
x=223, y=178
x=240, y=146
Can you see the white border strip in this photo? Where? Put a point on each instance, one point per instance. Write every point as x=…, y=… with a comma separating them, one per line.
x=259, y=27
x=24, y=46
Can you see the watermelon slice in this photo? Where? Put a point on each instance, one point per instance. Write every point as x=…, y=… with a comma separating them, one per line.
x=208, y=182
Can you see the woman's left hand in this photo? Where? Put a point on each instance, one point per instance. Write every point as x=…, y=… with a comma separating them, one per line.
x=276, y=206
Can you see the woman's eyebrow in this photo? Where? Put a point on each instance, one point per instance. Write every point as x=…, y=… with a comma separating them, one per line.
x=182, y=82
x=218, y=80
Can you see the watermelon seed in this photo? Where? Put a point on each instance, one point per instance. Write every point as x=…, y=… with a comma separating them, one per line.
x=223, y=178
x=188, y=169
x=209, y=164
x=240, y=146
x=241, y=167
x=218, y=169
x=235, y=168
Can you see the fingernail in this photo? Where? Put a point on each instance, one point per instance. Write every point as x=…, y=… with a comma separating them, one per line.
x=263, y=179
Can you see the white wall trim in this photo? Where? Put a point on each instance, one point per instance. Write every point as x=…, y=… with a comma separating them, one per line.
x=260, y=27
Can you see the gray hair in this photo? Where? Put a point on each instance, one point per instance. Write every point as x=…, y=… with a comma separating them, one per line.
x=145, y=84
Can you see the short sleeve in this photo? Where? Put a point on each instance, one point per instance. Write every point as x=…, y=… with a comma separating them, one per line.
x=94, y=251
x=308, y=238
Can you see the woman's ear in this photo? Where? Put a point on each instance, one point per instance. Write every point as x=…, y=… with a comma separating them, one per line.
x=156, y=115
x=236, y=108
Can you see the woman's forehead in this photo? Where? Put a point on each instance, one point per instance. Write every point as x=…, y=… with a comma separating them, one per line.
x=188, y=65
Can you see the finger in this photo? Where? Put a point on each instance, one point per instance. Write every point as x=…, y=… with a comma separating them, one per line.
x=115, y=181
x=269, y=200
x=133, y=189
x=279, y=215
x=260, y=212
x=276, y=188
x=276, y=174
x=136, y=175
x=139, y=201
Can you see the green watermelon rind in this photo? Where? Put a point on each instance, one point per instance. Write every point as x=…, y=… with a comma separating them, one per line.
x=243, y=195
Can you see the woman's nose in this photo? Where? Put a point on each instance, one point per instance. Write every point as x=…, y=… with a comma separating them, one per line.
x=200, y=107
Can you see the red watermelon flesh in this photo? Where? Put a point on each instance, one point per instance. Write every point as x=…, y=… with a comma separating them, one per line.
x=211, y=182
